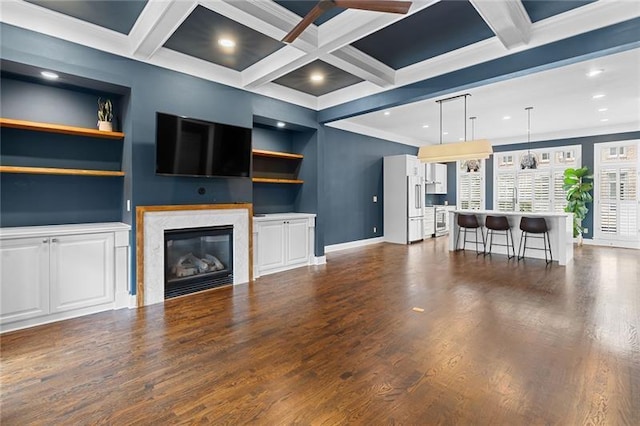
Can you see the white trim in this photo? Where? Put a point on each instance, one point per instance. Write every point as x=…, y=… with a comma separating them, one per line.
x=133, y=301
x=319, y=260
x=609, y=243
x=353, y=244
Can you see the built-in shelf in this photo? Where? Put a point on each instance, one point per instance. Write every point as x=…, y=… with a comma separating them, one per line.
x=58, y=171
x=276, y=167
x=271, y=180
x=275, y=154
x=58, y=128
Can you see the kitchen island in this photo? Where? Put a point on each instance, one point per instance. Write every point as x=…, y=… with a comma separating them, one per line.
x=560, y=233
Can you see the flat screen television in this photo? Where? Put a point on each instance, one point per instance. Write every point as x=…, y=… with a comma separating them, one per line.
x=191, y=147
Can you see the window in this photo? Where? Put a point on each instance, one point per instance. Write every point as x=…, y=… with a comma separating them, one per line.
x=616, y=211
x=471, y=184
x=537, y=189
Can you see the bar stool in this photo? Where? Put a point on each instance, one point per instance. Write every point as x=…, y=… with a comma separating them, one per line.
x=499, y=223
x=534, y=225
x=469, y=221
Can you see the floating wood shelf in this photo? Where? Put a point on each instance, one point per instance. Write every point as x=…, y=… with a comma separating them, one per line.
x=58, y=128
x=275, y=154
x=58, y=171
x=271, y=180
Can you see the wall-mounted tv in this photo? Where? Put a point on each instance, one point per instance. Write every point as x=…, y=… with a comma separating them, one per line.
x=191, y=147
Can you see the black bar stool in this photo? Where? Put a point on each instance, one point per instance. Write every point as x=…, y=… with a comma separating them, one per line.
x=469, y=221
x=534, y=225
x=499, y=223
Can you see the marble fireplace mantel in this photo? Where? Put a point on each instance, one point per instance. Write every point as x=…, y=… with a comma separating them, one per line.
x=152, y=221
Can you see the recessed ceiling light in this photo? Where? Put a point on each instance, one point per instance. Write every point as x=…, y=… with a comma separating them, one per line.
x=593, y=73
x=387, y=113
x=49, y=75
x=460, y=139
x=317, y=78
x=598, y=96
x=604, y=119
x=425, y=126
x=445, y=133
x=506, y=117
x=227, y=42
x=280, y=124
x=603, y=109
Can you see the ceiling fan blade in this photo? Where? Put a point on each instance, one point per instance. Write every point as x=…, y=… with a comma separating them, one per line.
x=313, y=14
x=376, y=6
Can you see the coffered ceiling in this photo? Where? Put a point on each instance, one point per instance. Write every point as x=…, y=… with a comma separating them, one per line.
x=356, y=53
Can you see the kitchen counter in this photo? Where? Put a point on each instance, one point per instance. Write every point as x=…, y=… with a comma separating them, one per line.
x=560, y=233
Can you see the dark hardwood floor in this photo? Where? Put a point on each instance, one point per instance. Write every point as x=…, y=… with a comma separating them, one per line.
x=498, y=343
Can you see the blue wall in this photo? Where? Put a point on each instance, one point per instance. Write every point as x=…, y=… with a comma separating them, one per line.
x=352, y=176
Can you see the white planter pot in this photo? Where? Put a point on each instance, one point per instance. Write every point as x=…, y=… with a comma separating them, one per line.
x=105, y=126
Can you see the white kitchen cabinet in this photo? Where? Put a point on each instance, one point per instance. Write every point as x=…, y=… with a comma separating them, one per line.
x=436, y=175
x=429, y=222
x=24, y=284
x=282, y=241
x=81, y=271
x=56, y=272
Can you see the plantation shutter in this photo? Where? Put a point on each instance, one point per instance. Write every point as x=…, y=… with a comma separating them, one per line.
x=506, y=184
x=559, y=194
x=464, y=191
x=608, y=202
x=541, y=192
x=628, y=219
x=525, y=191
x=470, y=191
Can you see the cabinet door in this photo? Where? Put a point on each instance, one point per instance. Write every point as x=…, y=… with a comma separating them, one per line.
x=81, y=271
x=297, y=241
x=24, y=279
x=271, y=245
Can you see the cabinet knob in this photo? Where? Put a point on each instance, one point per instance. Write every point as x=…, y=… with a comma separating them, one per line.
x=45, y=240
x=54, y=240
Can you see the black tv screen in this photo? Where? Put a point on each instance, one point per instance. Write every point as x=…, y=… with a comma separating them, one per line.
x=191, y=147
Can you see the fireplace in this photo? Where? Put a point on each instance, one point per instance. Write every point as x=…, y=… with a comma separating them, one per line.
x=197, y=259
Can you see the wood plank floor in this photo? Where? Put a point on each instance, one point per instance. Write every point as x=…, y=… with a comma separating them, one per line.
x=498, y=343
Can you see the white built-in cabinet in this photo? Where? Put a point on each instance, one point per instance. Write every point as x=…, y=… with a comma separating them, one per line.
x=436, y=176
x=56, y=272
x=429, y=222
x=282, y=241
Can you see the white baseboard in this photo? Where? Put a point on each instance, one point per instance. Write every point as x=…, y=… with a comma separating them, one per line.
x=319, y=260
x=133, y=301
x=353, y=244
x=609, y=243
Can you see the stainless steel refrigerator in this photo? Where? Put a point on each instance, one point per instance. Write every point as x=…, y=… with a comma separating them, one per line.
x=404, y=190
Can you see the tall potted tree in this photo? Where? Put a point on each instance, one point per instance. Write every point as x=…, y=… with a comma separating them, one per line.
x=578, y=195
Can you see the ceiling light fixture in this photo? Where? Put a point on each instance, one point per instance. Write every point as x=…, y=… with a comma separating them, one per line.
x=387, y=113
x=603, y=109
x=598, y=96
x=317, y=78
x=604, y=119
x=593, y=73
x=529, y=161
x=425, y=126
x=466, y=150
x=49, y=75
x=506, y=117
x=280, y=124
x=227, y=43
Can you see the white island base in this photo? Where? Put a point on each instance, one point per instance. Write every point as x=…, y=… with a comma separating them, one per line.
x=560, y=234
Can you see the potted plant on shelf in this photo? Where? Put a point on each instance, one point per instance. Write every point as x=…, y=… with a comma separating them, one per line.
x=577, y=197
x=105, y=115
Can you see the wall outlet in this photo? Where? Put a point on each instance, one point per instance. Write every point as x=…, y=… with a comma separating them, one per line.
x=586, y=231
x=375, y=198
x=375, y=229
x=128, y=205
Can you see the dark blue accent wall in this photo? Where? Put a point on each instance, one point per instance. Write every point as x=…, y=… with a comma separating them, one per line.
x=352, y=176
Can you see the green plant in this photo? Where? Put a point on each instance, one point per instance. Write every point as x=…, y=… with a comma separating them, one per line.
x=577, y=195
x=105, y=110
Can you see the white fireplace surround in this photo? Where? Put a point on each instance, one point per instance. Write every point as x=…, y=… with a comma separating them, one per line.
x=156, y=222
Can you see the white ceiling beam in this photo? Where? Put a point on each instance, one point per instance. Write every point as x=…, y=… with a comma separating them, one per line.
x=362, y=65
x=508, y=19
x=158, y=20
x=275, y=66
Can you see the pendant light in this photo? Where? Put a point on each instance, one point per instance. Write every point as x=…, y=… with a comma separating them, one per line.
x=529, y=160
x=467, y=150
